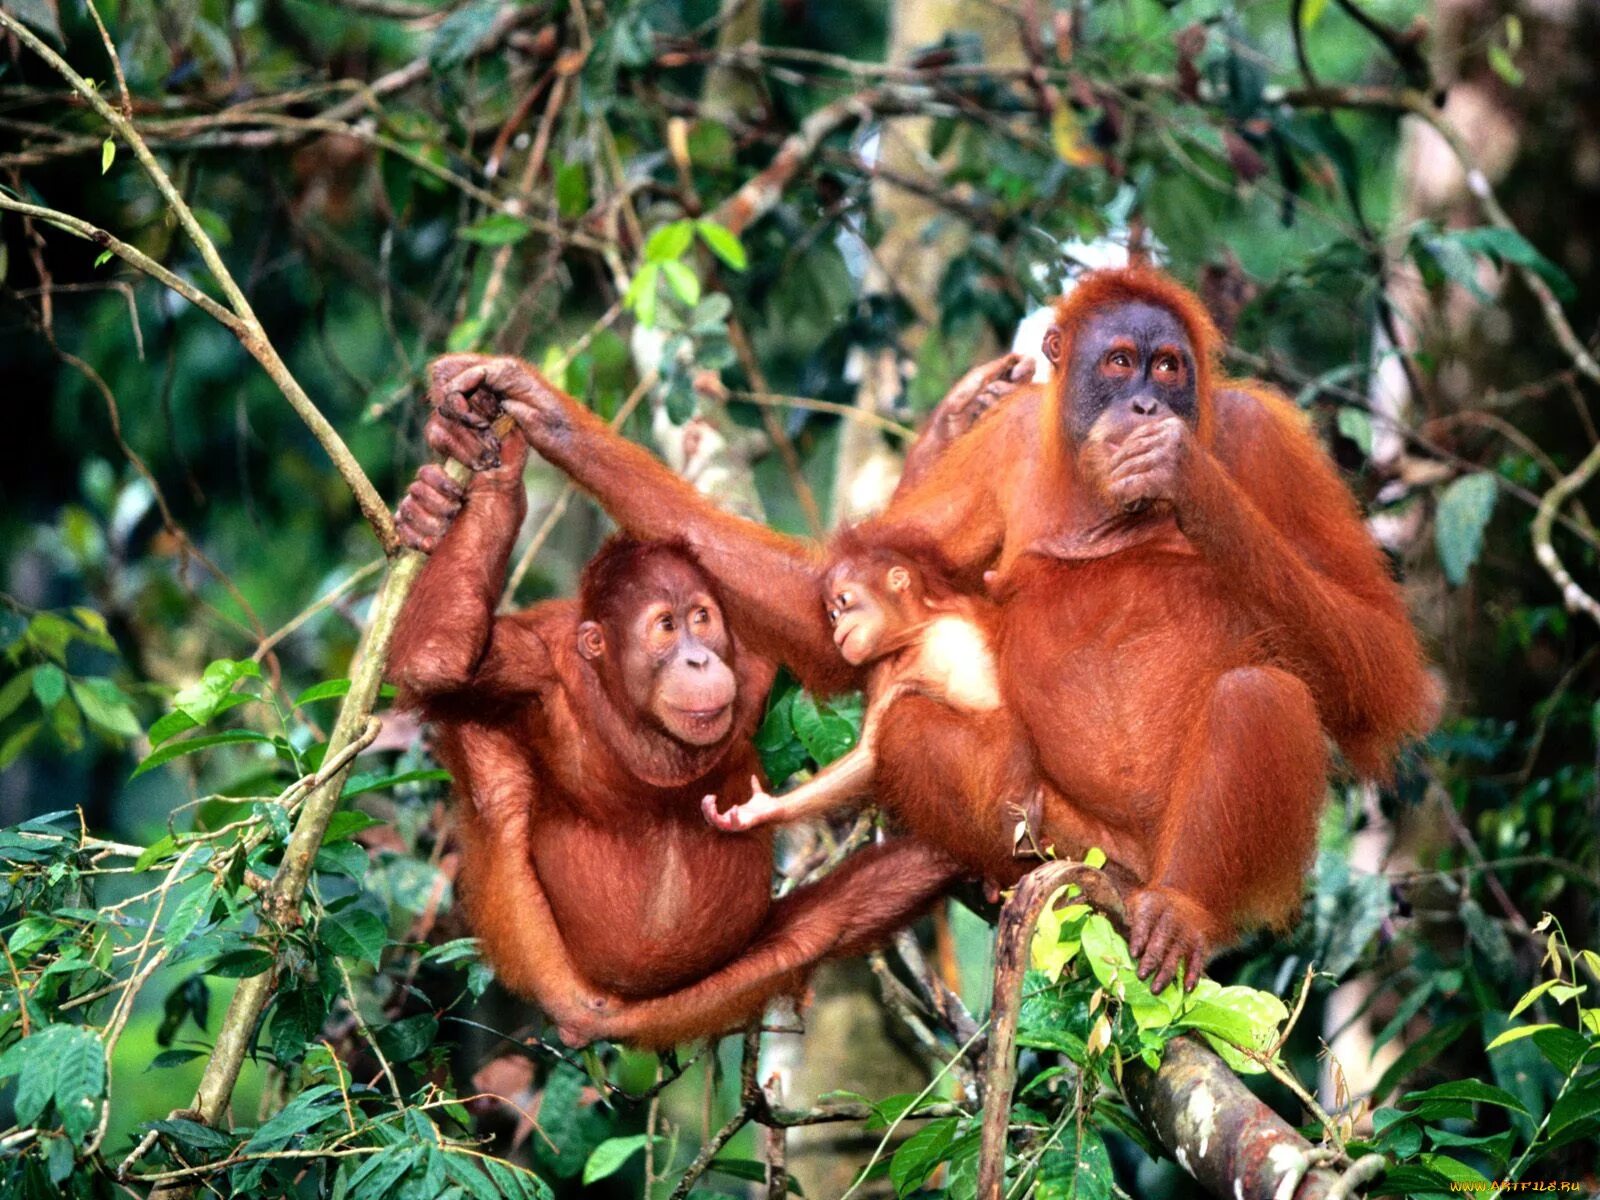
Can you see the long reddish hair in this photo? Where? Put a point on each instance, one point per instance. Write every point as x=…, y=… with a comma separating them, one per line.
x=1136, y=284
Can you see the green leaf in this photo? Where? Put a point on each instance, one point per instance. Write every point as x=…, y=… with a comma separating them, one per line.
x=50, y=635
x=80, y=1081
x=174, y=1058
x=496, y=229
x=749, y=1170
x=305, y=1112
x=460, y=34
x=1234, y=1018
x=1077, y=1169
x=106, y=705
x=920, y=1153
x=1465, y=507
x=18, y=741
x=1466, y=1089
x=1500, y=60
x=377, y=781
x=610, y=1155
x=1356, y=424
x=1532, y=994
x=1509, y=246
x=187, y=916
x=95, y=627
x=724, y=243
x=17, y=689
x=31, y=933
x=61, y=1063
x=1425, y=1049
x=346, y=823
x=172, y=750
x=108, y=155
x=49, y=684
x=203, y=699
x=669, y=243
x=827, y=729
x=192, y=1134
x=328, y=689
x=377, y=1175
x=354, y=933
x=1562, y=1048
x=153, y=853
x=406, y=1040
x=572, y=190
x=466, y=336
x=1516, y=1033
x=641, y=295
x=1452, y=1169
x=1577, y=1106
x=684, y=282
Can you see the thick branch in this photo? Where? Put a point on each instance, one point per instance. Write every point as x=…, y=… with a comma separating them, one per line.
x=1200, y=1112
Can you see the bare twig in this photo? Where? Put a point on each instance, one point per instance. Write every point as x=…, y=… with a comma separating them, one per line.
x=248, y=329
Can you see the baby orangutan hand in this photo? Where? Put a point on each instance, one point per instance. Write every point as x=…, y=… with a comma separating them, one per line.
x=758, y=810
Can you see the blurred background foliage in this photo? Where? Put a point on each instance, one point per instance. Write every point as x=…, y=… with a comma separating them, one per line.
x=388, y=179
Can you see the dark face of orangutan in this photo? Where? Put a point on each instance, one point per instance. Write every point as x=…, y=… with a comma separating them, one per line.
x=865, y=607
x=1131, y=365
x=665, y=654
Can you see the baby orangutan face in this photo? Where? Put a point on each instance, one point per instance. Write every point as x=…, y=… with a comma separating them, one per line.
x=867, y=607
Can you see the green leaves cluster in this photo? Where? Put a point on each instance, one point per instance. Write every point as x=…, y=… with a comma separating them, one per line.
x=1124, y=1017
x=45, y=695
x=800, y=732
x=665, y=252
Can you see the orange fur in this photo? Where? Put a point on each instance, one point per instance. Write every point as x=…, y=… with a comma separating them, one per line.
x=588, y=873
x=1176, y=674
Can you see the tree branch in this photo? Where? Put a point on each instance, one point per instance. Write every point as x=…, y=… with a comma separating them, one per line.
x=1199, y=1110
x=248, y=329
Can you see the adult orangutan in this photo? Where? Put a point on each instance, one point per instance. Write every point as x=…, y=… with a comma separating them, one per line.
x=1189, y=597
x=581, y=736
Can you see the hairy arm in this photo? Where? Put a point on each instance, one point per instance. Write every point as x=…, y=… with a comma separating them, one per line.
x=769, y=582
x=504, y=899
x=955, y=503
x=445, y=627
x=845, y=779
x=973, y=395
x=1268, y=507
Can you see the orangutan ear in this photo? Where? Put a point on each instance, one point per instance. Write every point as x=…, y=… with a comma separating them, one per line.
x=899, y=579
x=591, y=640
x=1053, y=343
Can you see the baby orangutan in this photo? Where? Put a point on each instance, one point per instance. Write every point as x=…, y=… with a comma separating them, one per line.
x=954, y=766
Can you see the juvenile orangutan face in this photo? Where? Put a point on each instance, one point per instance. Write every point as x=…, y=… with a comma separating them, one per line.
x=863, y=608
x=669, y=651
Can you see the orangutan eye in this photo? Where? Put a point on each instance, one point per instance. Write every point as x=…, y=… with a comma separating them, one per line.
x=665, y=624
x=1166, y=365
x=700, y=616
x=1120, y=359
x=833, y=615
x=845, y=600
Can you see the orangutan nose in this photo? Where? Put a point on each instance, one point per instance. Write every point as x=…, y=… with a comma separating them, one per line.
x=1146, y=406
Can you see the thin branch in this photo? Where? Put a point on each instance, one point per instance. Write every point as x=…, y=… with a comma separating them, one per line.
x=558, y=507
x=250, y=333
x=132, y=255
x=1574, y=597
